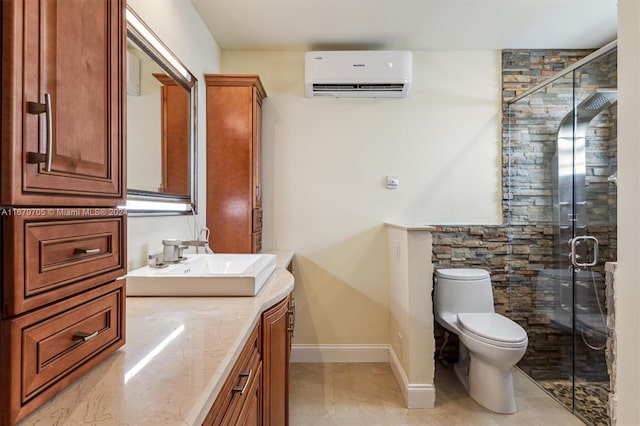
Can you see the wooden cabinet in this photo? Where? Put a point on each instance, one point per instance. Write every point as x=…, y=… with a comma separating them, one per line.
x=63, y=239
x=256, y=391
x=63, y=102
x=276, y=332
x=174, y=119
x=234, y=171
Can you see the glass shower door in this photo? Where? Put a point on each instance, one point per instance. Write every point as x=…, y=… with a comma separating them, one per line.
x=562, y=230
x=595, y=230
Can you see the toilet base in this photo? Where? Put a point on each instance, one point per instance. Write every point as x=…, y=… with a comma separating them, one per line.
x=488, y=385
x=491, y=387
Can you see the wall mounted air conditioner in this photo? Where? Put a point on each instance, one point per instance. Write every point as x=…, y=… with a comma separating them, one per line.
x=357, y=74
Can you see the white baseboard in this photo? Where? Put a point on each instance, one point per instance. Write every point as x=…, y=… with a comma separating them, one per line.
x=339, y=353
x=415, y=395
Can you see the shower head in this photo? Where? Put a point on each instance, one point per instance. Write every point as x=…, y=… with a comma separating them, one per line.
x=586, y=111
x=598, y=100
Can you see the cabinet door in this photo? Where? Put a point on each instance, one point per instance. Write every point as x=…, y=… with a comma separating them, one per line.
x=256, y=167
x=275, y=364
x=63, y=129
x=174, y=118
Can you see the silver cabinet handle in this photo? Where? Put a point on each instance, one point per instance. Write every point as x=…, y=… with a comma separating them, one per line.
x=574, y=256
x=79, y=250
x=46, y=108
x=242, y=389
x=85, y=337
x=292, y=318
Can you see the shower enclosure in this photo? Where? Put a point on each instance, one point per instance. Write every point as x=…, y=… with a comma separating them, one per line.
x=561, y=215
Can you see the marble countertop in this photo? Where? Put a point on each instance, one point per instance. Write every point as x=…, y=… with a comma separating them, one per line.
x=178, y=352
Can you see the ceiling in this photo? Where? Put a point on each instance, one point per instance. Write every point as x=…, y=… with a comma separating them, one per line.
x=409, y=24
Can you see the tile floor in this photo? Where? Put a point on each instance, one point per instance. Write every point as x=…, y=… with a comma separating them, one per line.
x=592, y=398
x=368, y=395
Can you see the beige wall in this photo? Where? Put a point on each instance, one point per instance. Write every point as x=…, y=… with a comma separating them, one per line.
x=410, y=303
x=324, y=165
x=627, y=280
x=180, y=27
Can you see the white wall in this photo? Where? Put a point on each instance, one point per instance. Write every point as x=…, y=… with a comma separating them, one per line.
x=144, y=128
x=324, y=166
x=627, y=288
x=179, y=26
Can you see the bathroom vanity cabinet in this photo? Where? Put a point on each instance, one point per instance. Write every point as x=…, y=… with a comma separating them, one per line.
x=234, y=171
x=256, y=392
x=63, y=239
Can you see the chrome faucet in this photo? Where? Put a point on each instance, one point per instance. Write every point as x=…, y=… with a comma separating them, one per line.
x=173, y=252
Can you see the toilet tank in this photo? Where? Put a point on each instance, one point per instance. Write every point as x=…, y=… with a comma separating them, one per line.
x=463, y=290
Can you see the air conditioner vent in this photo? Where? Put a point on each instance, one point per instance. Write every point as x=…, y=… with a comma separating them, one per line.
x=358, y=87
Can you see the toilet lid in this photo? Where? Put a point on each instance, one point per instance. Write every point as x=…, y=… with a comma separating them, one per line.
x=463, y=274
x=493, y=327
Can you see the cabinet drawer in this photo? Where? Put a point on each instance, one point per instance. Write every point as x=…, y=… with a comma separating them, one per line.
x=58, y=343
x=240, y=385
x=60, y=258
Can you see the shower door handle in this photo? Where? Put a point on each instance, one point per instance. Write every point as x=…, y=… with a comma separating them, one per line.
x=574, y=256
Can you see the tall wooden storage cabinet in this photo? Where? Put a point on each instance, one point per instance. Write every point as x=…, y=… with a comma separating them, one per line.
x=234, y=173
x=62, y=178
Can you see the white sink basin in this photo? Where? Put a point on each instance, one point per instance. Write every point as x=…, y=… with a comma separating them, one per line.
x=204, y=275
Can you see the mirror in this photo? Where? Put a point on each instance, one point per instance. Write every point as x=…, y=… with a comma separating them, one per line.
x=161, y=125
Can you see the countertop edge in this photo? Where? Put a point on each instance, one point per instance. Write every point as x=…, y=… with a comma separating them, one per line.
x=404, y=227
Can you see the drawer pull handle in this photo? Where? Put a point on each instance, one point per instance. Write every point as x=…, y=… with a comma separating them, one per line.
x=85, y=337
x=38, y=108
x=242, y=389
x=86, y=251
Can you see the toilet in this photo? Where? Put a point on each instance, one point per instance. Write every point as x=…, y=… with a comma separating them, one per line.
x=490, y=344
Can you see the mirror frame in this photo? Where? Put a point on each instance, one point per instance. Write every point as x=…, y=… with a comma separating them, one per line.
x=143, y=202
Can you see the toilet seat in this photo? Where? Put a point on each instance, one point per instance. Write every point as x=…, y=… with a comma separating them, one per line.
x=493, y=329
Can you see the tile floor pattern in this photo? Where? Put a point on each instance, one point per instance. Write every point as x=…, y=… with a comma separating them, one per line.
x=591, y=399
x=368, y=395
